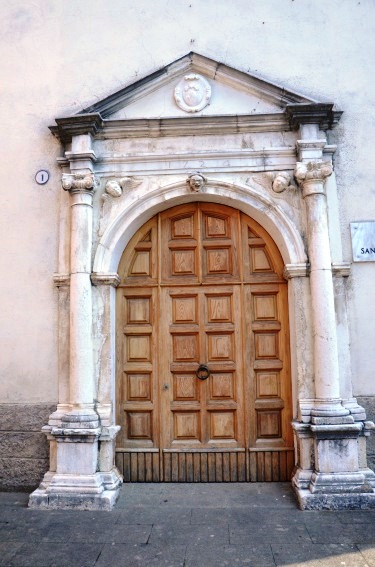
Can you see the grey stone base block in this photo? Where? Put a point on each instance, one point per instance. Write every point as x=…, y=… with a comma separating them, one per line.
x=368, y=403
x=358, y=501
x=23, y=448
x=22, y=475
x=42, y=499
x=81, y=492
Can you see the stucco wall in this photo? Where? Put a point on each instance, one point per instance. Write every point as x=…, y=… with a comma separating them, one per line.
x=59, y=57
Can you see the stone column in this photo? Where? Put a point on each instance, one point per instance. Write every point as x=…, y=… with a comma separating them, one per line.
x=311, y=177
x=81, y=375
x=329, y=473
x=104, y=333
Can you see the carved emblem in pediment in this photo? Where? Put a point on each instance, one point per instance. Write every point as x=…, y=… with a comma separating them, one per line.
x=193, y=93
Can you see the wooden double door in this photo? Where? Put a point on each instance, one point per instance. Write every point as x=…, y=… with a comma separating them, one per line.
x=203, y=381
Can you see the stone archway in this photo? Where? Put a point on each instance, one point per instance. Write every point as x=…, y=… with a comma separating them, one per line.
x=252, y=203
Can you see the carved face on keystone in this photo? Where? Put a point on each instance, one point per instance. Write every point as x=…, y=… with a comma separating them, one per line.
x=196, y=182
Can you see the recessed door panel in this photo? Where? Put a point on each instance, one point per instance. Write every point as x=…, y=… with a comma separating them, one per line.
x=203, y=357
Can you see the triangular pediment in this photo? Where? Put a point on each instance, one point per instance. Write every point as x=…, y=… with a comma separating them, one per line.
x=231, y=92
x=194, y=95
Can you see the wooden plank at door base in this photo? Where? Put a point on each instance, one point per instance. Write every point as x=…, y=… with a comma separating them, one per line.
x=204, y=466
x=137, y=465
x=265, y=465
x=271, y=465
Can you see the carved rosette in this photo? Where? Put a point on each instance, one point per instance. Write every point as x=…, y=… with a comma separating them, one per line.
x=79, y=182
x=193, y=93
x=312, y=175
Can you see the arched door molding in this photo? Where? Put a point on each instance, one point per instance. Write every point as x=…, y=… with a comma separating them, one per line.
x=249, y=200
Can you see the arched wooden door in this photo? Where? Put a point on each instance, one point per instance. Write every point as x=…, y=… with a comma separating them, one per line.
x=202, y=287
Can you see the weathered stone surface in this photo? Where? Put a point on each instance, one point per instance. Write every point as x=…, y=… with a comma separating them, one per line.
x=24, y=449
x=22, y=444
x=325, y=555
x=21, y=474
x=61, y=554
x=24, y=417
x=368, y=403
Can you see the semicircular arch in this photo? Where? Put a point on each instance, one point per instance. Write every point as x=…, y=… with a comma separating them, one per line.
x=249, y=200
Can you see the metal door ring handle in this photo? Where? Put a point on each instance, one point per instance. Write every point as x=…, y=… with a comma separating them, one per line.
x=203, y=372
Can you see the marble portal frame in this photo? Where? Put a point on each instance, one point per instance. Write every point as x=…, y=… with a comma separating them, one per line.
x=330, y=428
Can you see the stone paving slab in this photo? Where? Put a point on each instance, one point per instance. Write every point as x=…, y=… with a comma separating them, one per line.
x=311, y=555
x=148, y=515
x=229, y=556
x=259, y=533
x=187, y=525
x=121, y=555
x=189, y=534
x=368, y=552
x=57, y=555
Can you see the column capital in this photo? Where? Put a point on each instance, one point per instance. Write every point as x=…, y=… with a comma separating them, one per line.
x=311, y=176
x=79, y=182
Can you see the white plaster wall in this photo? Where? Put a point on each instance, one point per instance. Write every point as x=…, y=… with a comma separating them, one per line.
x=59, y=57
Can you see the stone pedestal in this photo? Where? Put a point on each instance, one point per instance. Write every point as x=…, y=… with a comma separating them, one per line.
x=329, y=474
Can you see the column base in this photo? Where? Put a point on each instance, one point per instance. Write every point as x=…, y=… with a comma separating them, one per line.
x=332, y=474
x=74, y=481
x=344, y=501
x=81, y=492
x=329, y=408
x=357, y=411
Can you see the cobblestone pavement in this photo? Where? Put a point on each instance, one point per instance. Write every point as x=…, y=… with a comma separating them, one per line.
x=257, y=525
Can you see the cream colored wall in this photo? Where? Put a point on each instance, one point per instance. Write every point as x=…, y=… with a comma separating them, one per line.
x=59, y=57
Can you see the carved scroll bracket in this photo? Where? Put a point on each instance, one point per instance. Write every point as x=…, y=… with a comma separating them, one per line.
x=312, y=175
x=79, y=182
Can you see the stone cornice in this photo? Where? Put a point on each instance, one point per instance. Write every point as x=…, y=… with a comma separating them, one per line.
x=295, y=271
x=282, y=121
x=341, y=270
x=75, y=125
x=72, y=156
x=111, y=279
x=312, y=113
x=99, y=128
x=61, y=280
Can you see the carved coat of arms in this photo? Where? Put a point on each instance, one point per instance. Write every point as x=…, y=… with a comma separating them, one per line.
x=192, y=93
